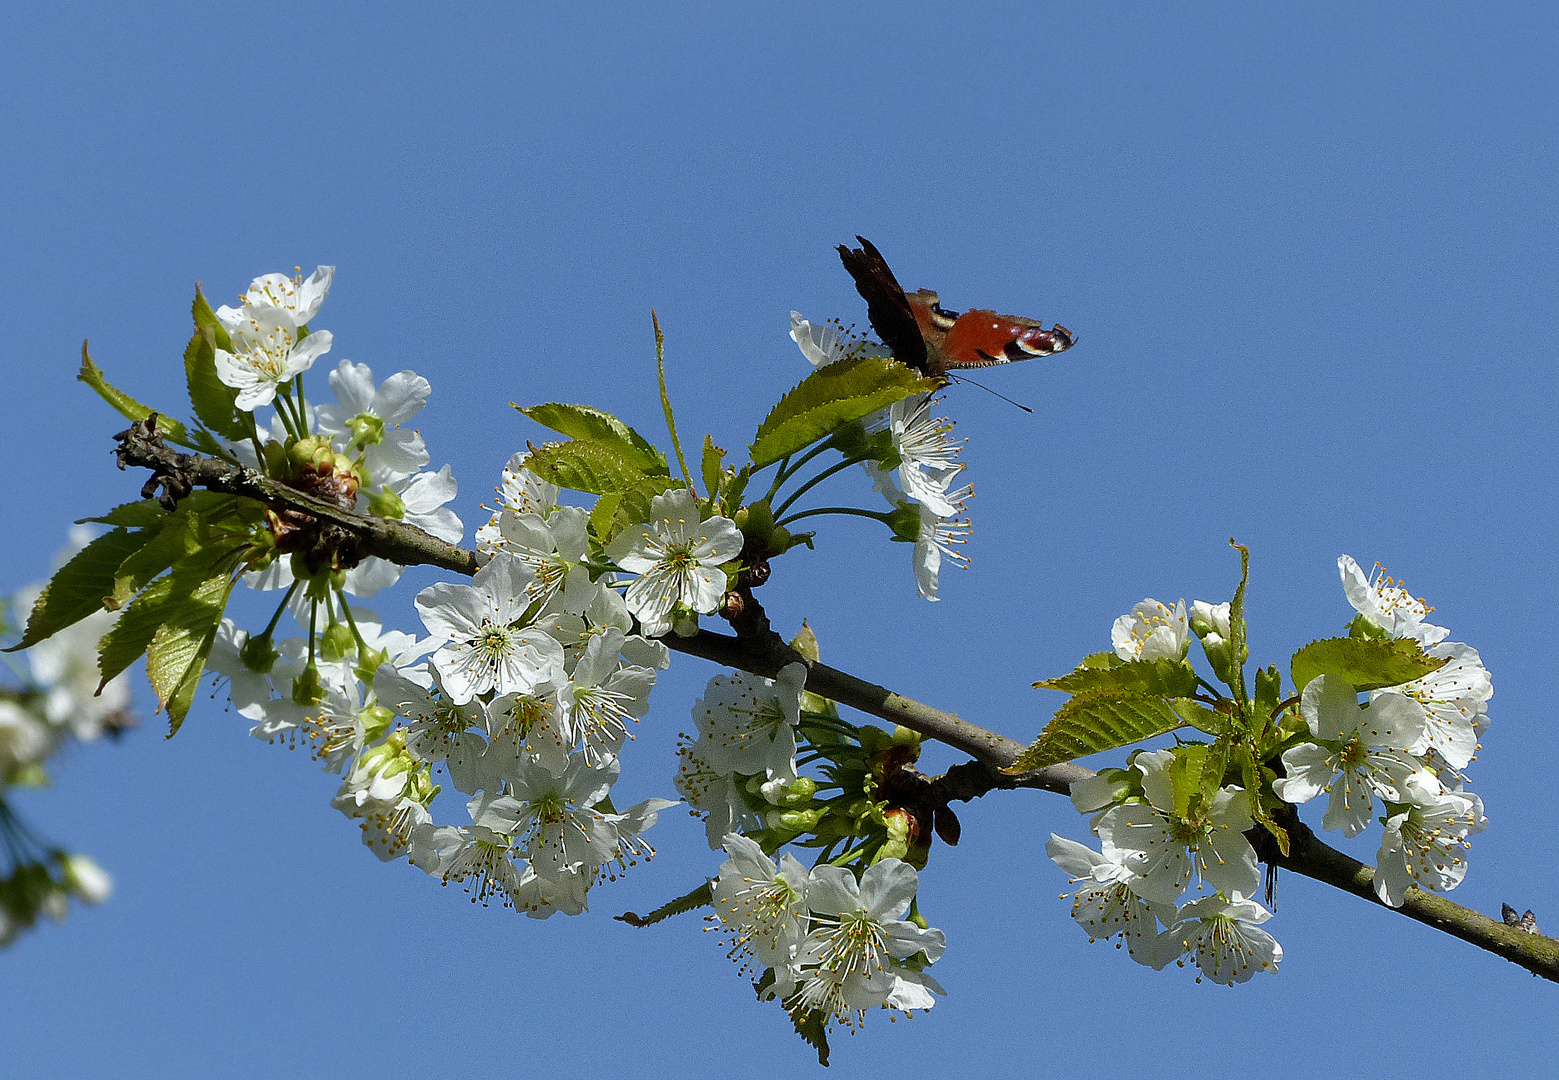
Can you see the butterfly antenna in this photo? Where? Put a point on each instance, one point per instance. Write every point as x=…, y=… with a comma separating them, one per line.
x=988, y=390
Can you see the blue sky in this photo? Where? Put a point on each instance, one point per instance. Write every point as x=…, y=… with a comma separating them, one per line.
x=1309, y=251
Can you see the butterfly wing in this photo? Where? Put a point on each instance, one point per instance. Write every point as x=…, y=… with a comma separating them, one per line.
x=886, y=305
x=982, y=338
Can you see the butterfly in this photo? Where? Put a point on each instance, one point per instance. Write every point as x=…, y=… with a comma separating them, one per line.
x=927, y=337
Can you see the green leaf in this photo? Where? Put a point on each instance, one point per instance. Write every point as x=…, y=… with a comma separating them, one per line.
x=1369, y=664
x=829, y=398
x=633, y=507
x=593, y=425
x=584, y=465
x=1238, y=652
x=164, y=547
x=176, y=655
x=138, y=622
x=602, y=515
x=206, y=319
x=697, y=898
x=1213, y=769
x=1162, y=677
x=1201, y=717
x=127, y=406
x=213, y=400
x=160, y=602
x=1094, y=721
x=80, y=586
x=136, y=515
x=713, y=456
x=1185, y=776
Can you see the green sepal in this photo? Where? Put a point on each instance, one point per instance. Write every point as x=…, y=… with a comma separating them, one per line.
x=584, y=465
x=1367, y=663
x=169, y=428
x=213, y=400
x=1095, y=721
x=1162, y=677
x=593, y=425
x=830, y=397
x=80, y=586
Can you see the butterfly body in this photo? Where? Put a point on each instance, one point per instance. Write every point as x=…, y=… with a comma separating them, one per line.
x=932, y=340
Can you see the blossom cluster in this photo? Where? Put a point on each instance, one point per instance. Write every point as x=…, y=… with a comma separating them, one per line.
x=1405, y=746
x=55, y=701
x=832, y=944
x=919, y=472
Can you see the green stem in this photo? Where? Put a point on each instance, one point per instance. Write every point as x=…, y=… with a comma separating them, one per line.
x=302, y=406
x=665, y=401
x=788, y=468
x=816, y=480
x=885, y=518
x=346, y=610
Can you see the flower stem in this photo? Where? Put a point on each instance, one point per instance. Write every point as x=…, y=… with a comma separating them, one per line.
x=818, y=479
x=851, y=510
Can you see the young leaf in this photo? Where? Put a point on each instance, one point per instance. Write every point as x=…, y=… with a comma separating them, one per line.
x=80, y=586
x=127, y=406
x=212, y=399
x=1162, y=677
x=163, y=548
x=1201, y=717
x=829, y=398
x=1238, y=652
x=1094, y=721
x=633, y=508
x=206, y=319
x=713, y=456
x=129, y=637
x=690, y=901
x=602, y=515
x=1368, y=664
x=584, y=465
x=136, y=515
x=177, y=653
x=594, y=425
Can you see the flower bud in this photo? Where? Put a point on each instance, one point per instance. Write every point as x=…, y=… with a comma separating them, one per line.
x=259, y=654
x=386, y=504
x=376, y=720
x=336, y=642
x=367, y=430
x=84, y=877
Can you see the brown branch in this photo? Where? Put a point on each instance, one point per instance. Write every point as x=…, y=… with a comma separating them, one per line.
x=764, y=653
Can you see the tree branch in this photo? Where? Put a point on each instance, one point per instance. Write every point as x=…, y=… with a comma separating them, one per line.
x=765, y=654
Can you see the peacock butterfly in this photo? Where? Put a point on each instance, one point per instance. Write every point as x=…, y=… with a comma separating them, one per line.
x=932, y=340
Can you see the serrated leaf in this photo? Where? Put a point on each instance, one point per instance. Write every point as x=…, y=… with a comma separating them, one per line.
x=136, y=515
x=1238, y=651
x=1201, y=717
x=127, y=406
x=1105, y=659
x=1162, y=678
x=164, y=547
x=1095, y=721
x=1185, y=776
x=129, y=637
x=206, y=319
x=1213, y=769
x=635, y=505
x=829, y=398
x=79, y=587
x=812, y=1026
x=697, y=898
x=177, y=653
x=713, y=456
x=1369, y=664
x=601, y=516
x=593, y=425
x=158, y=602
x=213, y=400
x=583, y=465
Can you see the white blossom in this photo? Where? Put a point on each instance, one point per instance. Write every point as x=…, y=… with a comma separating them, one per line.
x=1387, y=605
x=1152, y=631
x=1223, y=938
x=1424, y=843
x=678, y=558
